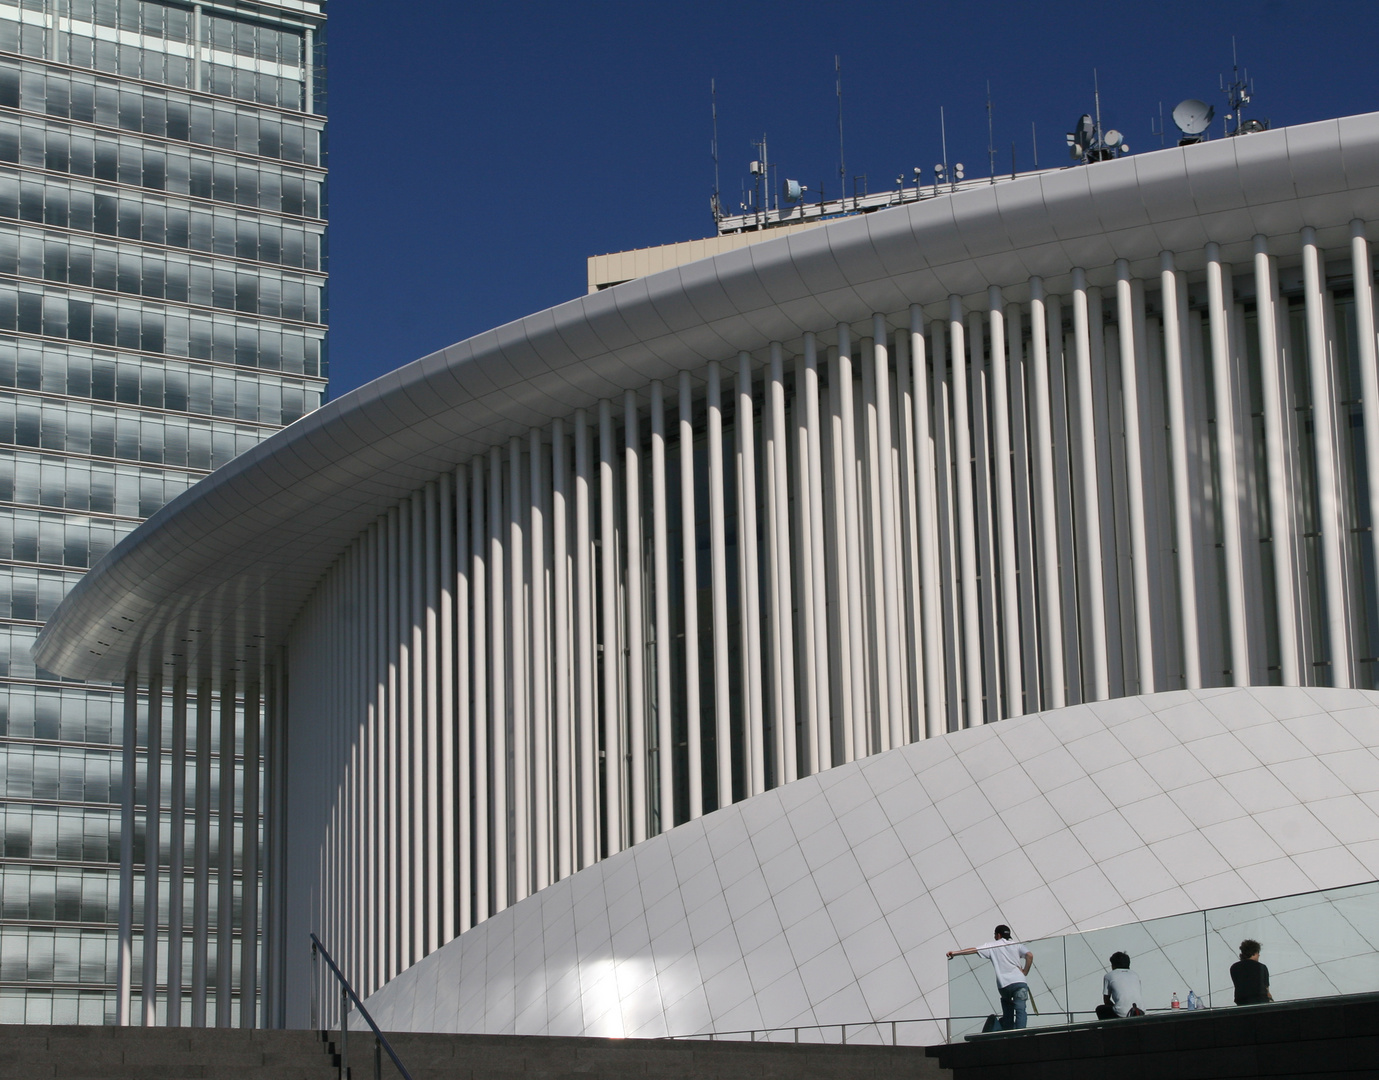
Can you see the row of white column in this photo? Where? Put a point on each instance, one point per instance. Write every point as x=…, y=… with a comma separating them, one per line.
x=993, y=508
x=168, y=882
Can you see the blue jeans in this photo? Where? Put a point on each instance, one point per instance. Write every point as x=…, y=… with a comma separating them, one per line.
x=1013, y=998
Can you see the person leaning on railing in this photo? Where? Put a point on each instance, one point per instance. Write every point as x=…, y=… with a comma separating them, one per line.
x=1012, y=962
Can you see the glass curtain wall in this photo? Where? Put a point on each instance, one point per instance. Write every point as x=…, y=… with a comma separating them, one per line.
x=162, y=309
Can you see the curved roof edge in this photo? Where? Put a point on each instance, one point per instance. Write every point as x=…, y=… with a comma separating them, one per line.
x=232, y=560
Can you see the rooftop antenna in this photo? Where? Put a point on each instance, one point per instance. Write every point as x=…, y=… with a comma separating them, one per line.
x=838, y=86
x=1159, y=131
x=1034, y=139
x=713, y=147
x=943, y=135
x=990, y=145
x=1238, y=95
x=1096, y=95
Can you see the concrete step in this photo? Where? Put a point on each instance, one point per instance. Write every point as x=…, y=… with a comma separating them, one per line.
x=137, y=1053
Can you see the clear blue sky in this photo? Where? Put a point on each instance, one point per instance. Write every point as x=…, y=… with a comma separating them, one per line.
x=480, y=152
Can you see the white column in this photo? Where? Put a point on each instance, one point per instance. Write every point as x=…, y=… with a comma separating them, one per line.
x=414, y=583
x=201, y=853
x=1362, y=270
x=479, y=718
x=1335, y=626
x=878, y=725
x=177, y=832
x=1182, y=498
x=783, y=700
x=660, y=567
x=1091, y=500
x=517, y=667
x=890, y=586
x=1047, y=512
x=402, y=725
x=225, y=884
x=983, y=511
x=1005, y=506
x=613, y=793
x=391, y=667
x=561, y=639
x=1126, y=316
x=448, y=717
x=718, y=560
x=820, y=734
x=967, y=543
x=636, y=636
x=128, y=777
x=499, y=666
x=925, y=525
x=1224, y=393
x=585, y=615
x=747, y=556
x=538, y=708
x=465, y=720
x=853, y=655
x=153, y=819
x=434, y=718
x=249, y=907
x=689, y=555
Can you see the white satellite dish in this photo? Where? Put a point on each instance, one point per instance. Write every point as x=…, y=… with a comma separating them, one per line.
x=1112, y=138
x=1192, y=116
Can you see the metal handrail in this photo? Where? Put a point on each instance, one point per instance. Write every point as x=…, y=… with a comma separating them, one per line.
x=347, y=995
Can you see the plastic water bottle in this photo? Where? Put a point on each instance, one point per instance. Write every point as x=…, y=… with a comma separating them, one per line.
x=1174, y=1003
x=1193, y=1001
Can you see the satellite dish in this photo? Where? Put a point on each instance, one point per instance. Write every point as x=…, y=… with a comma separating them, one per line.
x=1192, y=116
x=1112, y=138
x=794, y=191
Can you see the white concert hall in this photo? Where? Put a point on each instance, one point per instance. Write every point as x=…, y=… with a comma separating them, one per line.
x=715, y=651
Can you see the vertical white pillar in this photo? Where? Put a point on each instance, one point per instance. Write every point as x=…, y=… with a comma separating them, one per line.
x=517, y=667
x=390, y=666
x=128, y=767
x=1182, y=497
x=177, y=833
x=660, y=564
x=400, y=520
x=430, y=742
x=925, y=529
x=718, y=560
x=613, y=790
x=1090, y=489
x=465, y=718
x=689, y=554
x=636, y=636
x=1336, y=624
x=414, y=584
x=983, y=512
x=1362, y=270
x=747, y=555
x=855, y=702
x=448, y=716
x=821, y=736
x=1005, y=506
x=225, y=883
x=1224, y=393
x=1126, y=316
x=153, y=819
x=1047, y=513
x=538, y=708
x=878, y=725
x=249, y=902
x=499, y=668
x=201, y=853
x=561, y=639
x=783, y=699
x=479, y=718
x=585, y=616
x=967, y=542
x=890, y=586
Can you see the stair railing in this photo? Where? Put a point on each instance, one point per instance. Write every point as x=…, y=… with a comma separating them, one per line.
x=348, y=997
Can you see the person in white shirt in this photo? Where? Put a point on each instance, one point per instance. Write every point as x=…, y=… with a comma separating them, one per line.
x=1012, y=962
x=1120, y=989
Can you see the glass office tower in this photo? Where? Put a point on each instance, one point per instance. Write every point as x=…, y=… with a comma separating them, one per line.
x=162, y=309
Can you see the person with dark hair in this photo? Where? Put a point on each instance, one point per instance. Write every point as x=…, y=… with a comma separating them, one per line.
x=1012, y=962
x=1251, y=978
x=1120, y=989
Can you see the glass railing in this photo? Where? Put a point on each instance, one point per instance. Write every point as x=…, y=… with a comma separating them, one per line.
x=1316, y=944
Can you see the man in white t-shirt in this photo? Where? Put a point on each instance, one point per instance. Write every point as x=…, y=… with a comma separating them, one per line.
x=1120, y=989
x=1012, y=962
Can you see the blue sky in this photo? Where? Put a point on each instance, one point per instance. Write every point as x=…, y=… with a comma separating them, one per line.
x=480, y=152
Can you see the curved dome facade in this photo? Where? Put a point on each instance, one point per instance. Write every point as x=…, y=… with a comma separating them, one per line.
x=696, y=540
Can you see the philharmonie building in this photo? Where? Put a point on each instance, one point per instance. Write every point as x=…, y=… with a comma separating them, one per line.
x=717, y=650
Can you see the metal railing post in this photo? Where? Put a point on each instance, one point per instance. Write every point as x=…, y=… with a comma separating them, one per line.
x=315, y=980
x=344, y=1034
x=377, y=1059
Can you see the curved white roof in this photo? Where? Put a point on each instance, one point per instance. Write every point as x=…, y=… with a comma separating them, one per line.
x=834, y=899
x=231, y=561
